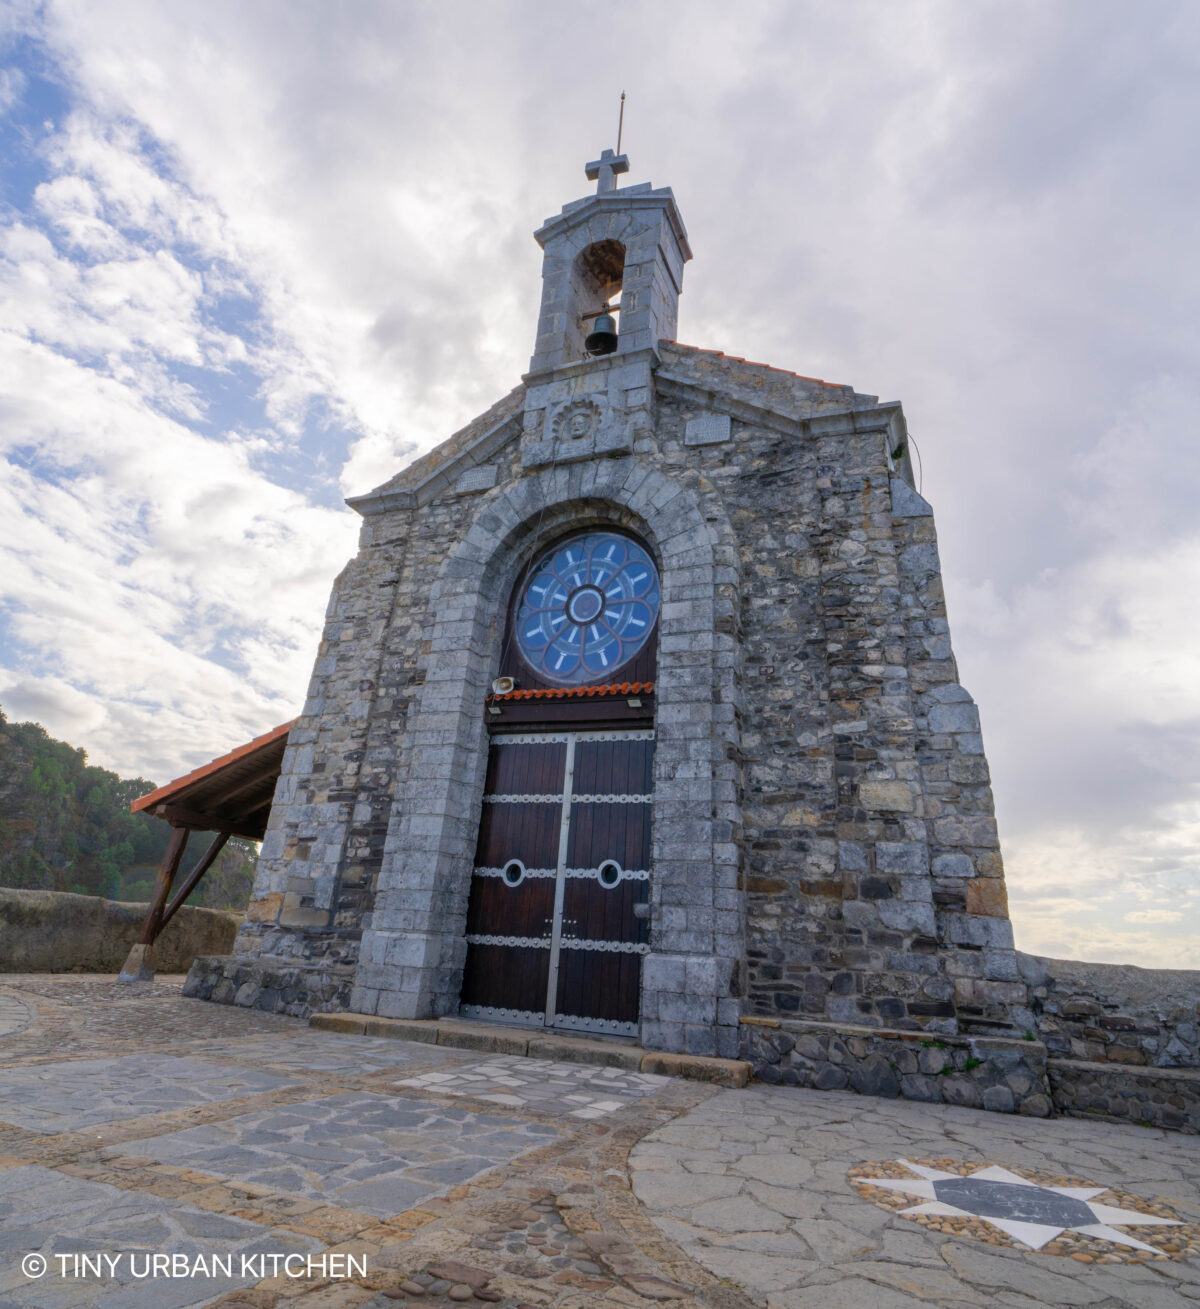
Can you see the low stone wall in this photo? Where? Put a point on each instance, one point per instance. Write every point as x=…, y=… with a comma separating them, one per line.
x=1151, y=1097
x=277, y=987
x=1115, y=1013
x=56, y=932
x=979, y=1072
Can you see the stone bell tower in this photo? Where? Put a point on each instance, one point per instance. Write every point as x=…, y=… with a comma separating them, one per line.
x=628, y=245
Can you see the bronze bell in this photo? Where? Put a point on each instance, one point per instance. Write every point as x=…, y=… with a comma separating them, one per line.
x=602, y=339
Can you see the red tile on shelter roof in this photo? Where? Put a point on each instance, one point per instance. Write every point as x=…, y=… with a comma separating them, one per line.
x=214, y=766
x=574, y=692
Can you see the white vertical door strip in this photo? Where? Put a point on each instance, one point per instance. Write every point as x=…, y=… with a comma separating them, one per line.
x=560, y=882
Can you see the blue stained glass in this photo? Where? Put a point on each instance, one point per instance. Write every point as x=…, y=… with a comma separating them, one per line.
x=588, y=607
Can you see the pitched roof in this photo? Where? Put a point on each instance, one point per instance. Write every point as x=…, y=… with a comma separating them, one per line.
x=232, y=793
x=758, y=388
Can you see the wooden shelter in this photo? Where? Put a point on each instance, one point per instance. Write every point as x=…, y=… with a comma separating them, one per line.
x=230, y=796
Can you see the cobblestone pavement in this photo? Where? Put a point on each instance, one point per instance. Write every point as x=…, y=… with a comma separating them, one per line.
x=772, y=1189
x=133, y=1121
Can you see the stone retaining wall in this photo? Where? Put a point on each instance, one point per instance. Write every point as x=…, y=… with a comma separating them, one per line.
x=57, y=932
x=979, y=1072
x=1115, y=1013
x=254, y=983
x=1150, y=1097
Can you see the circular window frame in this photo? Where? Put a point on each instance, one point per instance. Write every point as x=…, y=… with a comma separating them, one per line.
x=541, y=676
x=513, y=863
x=620, y=877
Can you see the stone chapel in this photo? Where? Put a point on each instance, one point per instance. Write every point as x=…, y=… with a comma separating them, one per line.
x=636, y=713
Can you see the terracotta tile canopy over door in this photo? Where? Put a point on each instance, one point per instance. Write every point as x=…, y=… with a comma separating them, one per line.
x=555, y=935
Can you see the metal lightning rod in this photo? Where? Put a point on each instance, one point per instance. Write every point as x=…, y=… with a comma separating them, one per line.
x=621, y=122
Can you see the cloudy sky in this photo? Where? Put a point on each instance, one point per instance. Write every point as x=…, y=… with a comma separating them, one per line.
x=256, y=257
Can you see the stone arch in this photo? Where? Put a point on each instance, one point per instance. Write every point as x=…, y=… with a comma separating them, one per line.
x=413, y=952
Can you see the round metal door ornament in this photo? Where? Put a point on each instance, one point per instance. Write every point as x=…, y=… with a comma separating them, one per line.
x=609, y=874
x=588, y=607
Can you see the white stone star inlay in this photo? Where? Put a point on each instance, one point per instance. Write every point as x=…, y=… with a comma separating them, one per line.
x=1027, y=1211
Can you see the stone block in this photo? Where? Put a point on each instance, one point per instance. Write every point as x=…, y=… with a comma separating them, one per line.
x=972, y=929
x=874, y=1076
x=424, y=1031
x=475, y=480
x=906, y=503
x=492, y=1040
x=348, y=1024
x=712, y=429
x=954, y=718
x=264, y=909
x=987, y=896
x=999, y=1099
x=721, y=1072
x=907, y=857
x=908, y=916
x=953, y=865
x=894, y=797
x=603, y=1054
x=698, y=1009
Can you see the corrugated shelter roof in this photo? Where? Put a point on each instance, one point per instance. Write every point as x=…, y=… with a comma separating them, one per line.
x=230, y=794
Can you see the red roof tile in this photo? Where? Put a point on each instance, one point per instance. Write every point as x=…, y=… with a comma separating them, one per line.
x=215, y=766
x=573, y=692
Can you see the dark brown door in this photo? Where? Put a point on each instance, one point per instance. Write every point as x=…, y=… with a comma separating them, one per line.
x=510, y=915
x=554, y=932
x=607, y=876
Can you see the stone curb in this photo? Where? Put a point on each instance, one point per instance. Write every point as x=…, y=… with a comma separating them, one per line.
x=493, y=1039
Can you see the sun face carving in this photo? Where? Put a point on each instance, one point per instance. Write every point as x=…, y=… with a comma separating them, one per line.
x=577, y=420
x=587, y=608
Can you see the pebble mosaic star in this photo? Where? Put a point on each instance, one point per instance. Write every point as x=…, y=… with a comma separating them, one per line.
x=1027, y=1211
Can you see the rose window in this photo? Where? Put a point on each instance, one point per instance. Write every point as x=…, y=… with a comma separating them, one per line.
x=588, y=607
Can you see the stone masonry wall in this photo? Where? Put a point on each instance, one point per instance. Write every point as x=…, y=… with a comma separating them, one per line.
x=982, y=1072
x=1116, y=1013
x=874, y=880
x=1149, y=1097
x=319, y=862
x=59, y=932
x=857, y=797
x=271, y=984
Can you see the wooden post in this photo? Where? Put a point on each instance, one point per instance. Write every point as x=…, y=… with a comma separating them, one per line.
x=140, y=965
x=206, y=862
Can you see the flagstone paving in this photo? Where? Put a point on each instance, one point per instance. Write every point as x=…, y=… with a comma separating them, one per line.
x=576, y=1090
x=55, y=1215
x=134, y=1121
x=15, y=1014
x=834, y=1199
x=66, y=1097
x=375, y=1153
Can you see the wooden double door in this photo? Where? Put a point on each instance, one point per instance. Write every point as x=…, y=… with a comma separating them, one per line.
x=557, y=920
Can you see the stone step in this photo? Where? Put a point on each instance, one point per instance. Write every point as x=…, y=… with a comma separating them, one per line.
x=491, y=1038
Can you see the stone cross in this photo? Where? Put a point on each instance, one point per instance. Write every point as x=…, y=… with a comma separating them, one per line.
x=606, y=169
